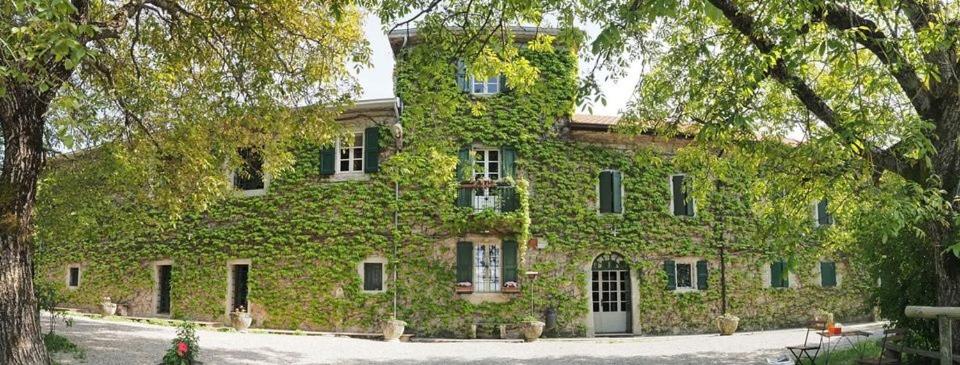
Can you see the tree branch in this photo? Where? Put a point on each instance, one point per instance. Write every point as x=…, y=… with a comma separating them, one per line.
x=746, y=25
x=869, y=35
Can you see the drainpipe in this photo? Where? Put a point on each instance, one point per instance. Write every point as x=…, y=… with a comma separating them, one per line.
x=398, y=135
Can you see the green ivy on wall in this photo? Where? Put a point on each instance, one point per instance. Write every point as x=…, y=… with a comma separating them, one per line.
x=306, y=237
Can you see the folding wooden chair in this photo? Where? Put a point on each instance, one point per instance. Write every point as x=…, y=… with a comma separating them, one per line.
x=808, y=347
x=891, y=349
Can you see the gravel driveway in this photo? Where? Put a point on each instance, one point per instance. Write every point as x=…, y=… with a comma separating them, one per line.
x=125, y=343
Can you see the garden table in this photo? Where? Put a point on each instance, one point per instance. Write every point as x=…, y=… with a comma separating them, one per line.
x=848, y=335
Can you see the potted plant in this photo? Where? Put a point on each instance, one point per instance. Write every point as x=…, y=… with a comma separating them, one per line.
x=511, y=287
x=183, y=349
x=393, y=329
x=727, y=324
x=240, y=320
x=464, y=287
x=108, y=307
x=531, y=328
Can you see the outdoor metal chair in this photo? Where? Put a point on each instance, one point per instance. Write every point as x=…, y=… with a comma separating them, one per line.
x=808, y=348
x=891, y=349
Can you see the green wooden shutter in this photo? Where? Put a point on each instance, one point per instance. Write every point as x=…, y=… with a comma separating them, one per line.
x=464, y=261
x=509, y=260
x=463, y=163
x=463, y=83
x=503, y=83
x=508, y=156
x=464, y=197
x=606, y=192
x=678, y=200
x=779, y=276
x=823, y=217
x=616, y=188
x=509, y=202
x=687, y=199
x=371, y=150
x=670, y=267
x=828, y=274
x=328, y=161
x=703, y=275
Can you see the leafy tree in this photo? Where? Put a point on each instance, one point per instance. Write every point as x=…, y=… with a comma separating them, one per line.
x=871, y=88
x=174, y=87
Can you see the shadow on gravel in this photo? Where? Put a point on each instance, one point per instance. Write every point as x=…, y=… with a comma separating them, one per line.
x=695, y=358
x=129, y=346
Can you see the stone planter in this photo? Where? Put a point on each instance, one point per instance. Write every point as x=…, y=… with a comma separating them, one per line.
x=727, y=324
x=531, y=330
x=240, y=321
x=393, y=329
x=108, y=308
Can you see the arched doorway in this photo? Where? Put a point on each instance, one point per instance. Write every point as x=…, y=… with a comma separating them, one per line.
x=610, y=294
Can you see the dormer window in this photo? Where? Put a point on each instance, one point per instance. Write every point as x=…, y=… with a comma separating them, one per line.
x=488, y=86
x=249, y=176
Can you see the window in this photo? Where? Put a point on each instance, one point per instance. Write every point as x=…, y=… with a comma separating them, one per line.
x=779, y=275
x=73, y=277
x=373, y=276
x=821, y=215
x=486, y=167
x=681, y=204
x=350, y=157
x=250, y=174
x=610, y=192
x=486, y=268
x=488, y=86
x=164, y=276
x=686, y=274
x=828, y=274
x=358, y=154
x=486, y=164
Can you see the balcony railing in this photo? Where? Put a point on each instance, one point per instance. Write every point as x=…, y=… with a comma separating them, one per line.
x=488, y=196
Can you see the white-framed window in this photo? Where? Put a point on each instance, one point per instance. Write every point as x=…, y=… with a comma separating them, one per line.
x=249, y=176
x=350, y=155
x=486, y=164
x=688, y=274
x=488, y=86
x=487, y=267
x=73, y=276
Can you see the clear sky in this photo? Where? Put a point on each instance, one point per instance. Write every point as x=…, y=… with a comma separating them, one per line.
x=377, y=81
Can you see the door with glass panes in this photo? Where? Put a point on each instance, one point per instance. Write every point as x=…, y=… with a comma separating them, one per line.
x=610, y=294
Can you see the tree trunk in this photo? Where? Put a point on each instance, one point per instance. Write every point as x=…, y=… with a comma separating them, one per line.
x=947, y=268
x=21, y=118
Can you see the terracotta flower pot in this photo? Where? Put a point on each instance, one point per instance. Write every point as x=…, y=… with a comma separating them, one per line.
x=531, y=330
x=240, y=321
x=393, y=329
x=727, y=324
x=108, y=309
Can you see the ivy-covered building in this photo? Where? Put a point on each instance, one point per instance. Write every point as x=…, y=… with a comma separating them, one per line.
x=495, y=204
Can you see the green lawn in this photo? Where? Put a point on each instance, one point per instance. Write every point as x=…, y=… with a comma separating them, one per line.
x=847, y=356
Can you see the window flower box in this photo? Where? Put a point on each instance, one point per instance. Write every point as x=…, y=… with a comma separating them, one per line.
x=464, y=288
x=510, y=287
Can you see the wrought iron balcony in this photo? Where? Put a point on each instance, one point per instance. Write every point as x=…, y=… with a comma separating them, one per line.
x=488, y=196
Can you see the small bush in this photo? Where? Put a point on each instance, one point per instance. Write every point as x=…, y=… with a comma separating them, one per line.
x=56, y=344
x=184, y=349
